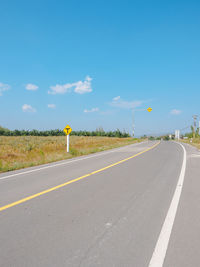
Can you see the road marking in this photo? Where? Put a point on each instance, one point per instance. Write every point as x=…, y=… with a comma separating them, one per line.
x=68, y=162
x=195, y=156
x=72, y=181
x=160, y=250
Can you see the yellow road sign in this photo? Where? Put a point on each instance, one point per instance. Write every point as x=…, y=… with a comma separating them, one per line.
x=149, y=109
x=67, y=130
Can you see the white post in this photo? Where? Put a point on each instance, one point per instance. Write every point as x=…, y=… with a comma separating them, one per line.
x=68, y=143
x=178, y=134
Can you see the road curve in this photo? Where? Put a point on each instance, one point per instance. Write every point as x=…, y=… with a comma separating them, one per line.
x=113, y=216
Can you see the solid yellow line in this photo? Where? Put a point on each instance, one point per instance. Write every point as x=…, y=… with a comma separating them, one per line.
x=72, y=181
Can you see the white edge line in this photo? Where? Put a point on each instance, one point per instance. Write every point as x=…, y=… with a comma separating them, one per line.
x=68, y=162
x=160, y=250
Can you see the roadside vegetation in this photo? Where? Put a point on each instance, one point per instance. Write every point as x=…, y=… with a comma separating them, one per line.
x=192, y=141
x=18, y=152
x=58, y=132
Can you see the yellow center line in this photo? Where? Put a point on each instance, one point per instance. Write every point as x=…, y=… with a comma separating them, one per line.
x=71, y=181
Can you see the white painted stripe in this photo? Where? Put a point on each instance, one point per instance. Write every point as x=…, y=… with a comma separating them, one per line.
x=160, y=250
x=195, y=156
x=68, y=161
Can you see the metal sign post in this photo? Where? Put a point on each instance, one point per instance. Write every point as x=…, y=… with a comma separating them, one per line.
x=67, y=131
x=68, y=143
x=133, y=111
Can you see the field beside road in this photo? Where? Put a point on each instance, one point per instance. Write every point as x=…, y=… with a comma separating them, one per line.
x=26, y=151
x=195, y=142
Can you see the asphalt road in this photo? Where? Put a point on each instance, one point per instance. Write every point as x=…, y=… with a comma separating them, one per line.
x=133, y=206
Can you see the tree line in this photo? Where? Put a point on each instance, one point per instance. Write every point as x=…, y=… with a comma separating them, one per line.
x=58, y=132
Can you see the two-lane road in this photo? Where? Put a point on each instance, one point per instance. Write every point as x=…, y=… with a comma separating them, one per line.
x=106, y=209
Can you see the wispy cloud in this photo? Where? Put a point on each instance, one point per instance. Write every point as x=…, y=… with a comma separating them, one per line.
x=120, y=103
x=175, y=112
x=116, y=98
x=3, y=87
x=107, y=112
x=91, y=110
x=28, y=108
x=31, y=87
x=80, y=87
x=60, y=89
x=51, y=106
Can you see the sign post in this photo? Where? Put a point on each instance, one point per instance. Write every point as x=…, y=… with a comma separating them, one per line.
x=68, y=143
x=67, y=130
x=148, y=109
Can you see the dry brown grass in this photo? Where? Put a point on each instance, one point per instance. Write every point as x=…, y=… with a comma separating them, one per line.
x=195, y=142
x=25, y=151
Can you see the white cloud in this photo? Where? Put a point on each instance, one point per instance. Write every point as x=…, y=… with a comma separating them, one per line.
x=116, y=98
x=31, y=87
x=83, y=87
x=28, y=108
x=3, y=87
x=120, y=103
x=60, y=89
x=80, y=87
x=175, y=112
x=91, y=110
x=51, y=106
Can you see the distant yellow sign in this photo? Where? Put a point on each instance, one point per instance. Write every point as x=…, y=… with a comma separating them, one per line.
x=67, y=130
x=149, y=109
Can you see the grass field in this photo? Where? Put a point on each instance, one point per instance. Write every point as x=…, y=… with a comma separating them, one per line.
x=26, y=151
x=195, y=142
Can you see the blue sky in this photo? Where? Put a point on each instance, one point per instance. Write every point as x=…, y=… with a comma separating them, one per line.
x=88, y=63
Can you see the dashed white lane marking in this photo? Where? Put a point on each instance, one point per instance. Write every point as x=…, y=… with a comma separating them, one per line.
x=160, y=250
x=67, y=162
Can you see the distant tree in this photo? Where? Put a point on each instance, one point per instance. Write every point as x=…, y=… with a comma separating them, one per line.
x=57, y=132
x=166, y=138
x=144, y=136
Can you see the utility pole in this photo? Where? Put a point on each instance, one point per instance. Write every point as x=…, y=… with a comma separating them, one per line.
x=194, y=123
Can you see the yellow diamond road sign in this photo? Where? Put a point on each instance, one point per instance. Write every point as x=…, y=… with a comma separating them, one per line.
x=149, y=109
x=67, y=129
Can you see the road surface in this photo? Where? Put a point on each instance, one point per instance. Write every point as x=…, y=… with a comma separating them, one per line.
x=133, y=206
